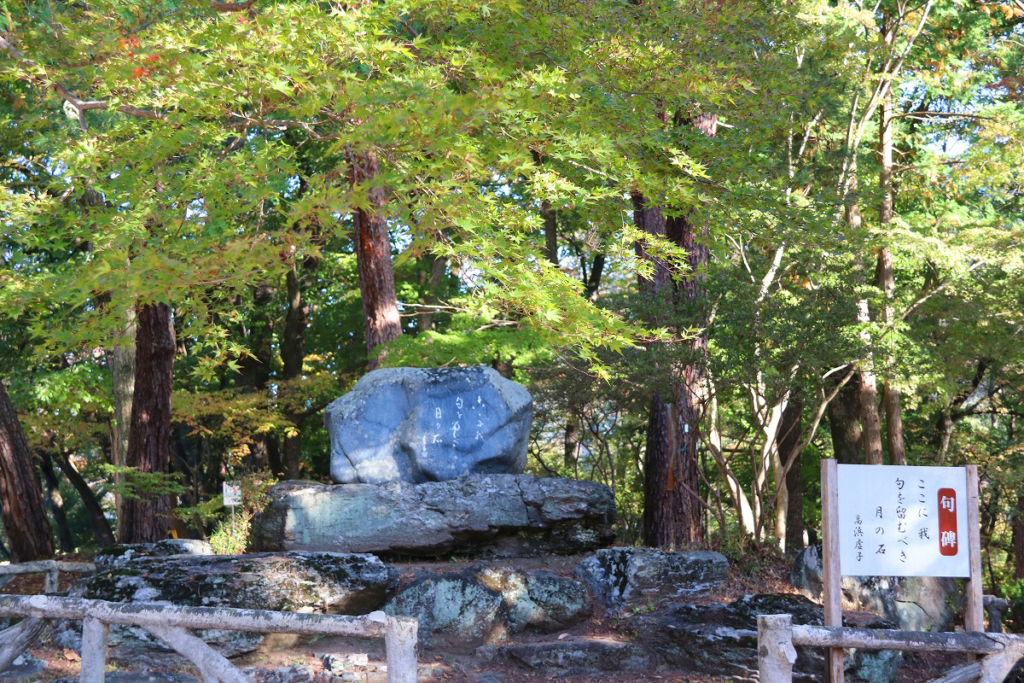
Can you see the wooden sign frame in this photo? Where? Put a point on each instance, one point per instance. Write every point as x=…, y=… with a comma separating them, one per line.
x=832, y=592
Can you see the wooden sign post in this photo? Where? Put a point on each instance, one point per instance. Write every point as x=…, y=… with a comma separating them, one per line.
x=882, y=520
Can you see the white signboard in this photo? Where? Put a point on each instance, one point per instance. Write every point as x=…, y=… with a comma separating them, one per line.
x=232, y=494
x=903, y=521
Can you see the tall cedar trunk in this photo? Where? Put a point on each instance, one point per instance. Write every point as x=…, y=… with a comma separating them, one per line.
x=55, y=502
x=790, y=430
x=886, y=280
x=672, y=509
x=121, y=361
x=844, y=425
x=21, y=500
x=97, y=520
x=373, y=257
x=147, y=517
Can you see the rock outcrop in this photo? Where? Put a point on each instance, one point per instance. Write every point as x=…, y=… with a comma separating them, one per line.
x=574, y=657
x=721, y=639
x=630, y=577
x=418, y=425
x=484, y=603
x=913, y=603
x=296, y=582
x=500, y=515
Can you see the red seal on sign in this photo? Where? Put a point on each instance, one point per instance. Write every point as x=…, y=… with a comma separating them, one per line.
x=948, y=541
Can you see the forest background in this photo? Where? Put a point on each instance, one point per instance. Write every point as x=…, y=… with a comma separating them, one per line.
x=718, y=242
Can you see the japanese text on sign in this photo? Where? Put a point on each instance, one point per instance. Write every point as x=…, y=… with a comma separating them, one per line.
x=902, y=521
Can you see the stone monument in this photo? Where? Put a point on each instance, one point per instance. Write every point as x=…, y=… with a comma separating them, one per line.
x=429, y=462
x=418, y=425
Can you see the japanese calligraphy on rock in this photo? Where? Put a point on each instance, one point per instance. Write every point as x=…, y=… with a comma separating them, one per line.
x=903, y=521
x=419, y=424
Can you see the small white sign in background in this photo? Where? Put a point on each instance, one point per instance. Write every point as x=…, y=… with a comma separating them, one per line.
x=232, y=494
x=903, y=521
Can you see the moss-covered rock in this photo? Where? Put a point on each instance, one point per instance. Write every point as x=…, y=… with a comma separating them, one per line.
x=331, y=583
x=486, y=603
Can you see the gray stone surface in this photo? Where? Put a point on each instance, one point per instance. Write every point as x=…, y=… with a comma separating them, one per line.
x=913, y=603
x=632, y=577
x=331, y=583
x=721, y=639
x=462, y=610
x=122, y=554
x=25, y=667
x=417, y=425
x=577, y=657
x=500, y=515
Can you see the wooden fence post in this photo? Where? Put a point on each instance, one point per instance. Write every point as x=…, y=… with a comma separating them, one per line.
x=94, y=651
x=51, y=583
x=832, y=576
x=974, y=610
x=775, y=652
x=400, y=643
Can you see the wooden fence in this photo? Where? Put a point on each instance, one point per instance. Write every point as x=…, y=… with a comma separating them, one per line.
x=51, y=568
x=777, y=638
x=169, y=623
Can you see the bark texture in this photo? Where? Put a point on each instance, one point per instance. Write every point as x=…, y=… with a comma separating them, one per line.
x=672, y=505
x=147, y=518
x=789, y=441
x=373, y=255
x=21, y=500
x=121, y=361
x=844, y=425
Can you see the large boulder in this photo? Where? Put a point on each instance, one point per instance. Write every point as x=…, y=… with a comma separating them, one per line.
x=721, y=639
x=633, y=577
x=484, y=603
x=501, y=515
x=417, y=425
x=329, y=583
x=913, y=603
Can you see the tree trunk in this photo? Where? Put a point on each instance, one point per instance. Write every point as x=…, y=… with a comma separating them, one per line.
x=790, y=431
x=593, y=282
x=373, y=256
x=886, y=280
x=147, y=517
x=550, y=232
x=55, y=502
x=293, y=354
x=121, y=361
x=97, y=520
x=870, y=421
x=844, y=425
x=672, y=511
x=425, y=319
x=21, y=500
x=570, y=444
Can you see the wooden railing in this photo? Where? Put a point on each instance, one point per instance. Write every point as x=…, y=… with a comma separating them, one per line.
x=51, y=568
x=169, y=623
x=777, y=638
